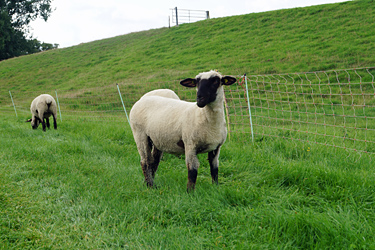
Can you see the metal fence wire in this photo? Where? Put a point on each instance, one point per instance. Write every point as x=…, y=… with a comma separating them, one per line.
x=180, y=16
x=333, y=108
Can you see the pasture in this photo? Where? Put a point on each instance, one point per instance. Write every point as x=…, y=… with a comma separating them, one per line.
x=81, y=186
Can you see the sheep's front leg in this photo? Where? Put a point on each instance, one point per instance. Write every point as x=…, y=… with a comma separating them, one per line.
x=192, y=164
x=213, y=159
x=43, y=123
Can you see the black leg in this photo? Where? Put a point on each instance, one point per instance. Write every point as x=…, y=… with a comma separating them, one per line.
x=156, y=156
x=192, y=164
x=143, y=144
x=192, y=179
x=54, y=122
x=47, y=123
x=213, y=159
x=43, y=124
x=146, y=173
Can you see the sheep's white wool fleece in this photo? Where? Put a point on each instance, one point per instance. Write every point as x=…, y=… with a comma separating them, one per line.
x=207, y=75
x=164, y=93
x=40, y=104
x=168, y=121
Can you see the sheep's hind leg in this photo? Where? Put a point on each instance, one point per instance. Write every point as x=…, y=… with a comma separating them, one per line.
x=213, y=159
x=156, y=156
x=144, y=149
x=54, y=121
x=47, y=123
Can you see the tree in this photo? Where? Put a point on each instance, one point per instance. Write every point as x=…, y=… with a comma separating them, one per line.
x=15, y=16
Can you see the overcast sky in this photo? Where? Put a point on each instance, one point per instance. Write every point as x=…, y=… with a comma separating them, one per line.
x=79, y=21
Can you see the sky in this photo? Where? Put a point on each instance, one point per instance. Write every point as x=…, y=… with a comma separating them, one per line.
x=73, y=22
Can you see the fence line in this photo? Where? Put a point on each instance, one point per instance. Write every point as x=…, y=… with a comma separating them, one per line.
x=13, y=103
x=58, y=105
x=332, y=108
x=123, y=105
x=180, y=16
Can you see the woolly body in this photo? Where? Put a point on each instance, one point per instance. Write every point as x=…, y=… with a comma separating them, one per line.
x=168, y=121
x=164, y=93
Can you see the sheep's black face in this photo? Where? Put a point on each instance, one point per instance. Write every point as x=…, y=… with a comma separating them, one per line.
x=207, y=90
x=207, y=87
x=35, y=124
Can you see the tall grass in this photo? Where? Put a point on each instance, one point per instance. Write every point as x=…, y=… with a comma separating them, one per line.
x=81, y=186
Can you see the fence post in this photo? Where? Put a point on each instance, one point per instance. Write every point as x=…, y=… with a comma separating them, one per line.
x=207, y=14
x=248, y=105
x=58, y=105
x=127, y=117
x=176, y=16
x=13, y=103
x=227, y=114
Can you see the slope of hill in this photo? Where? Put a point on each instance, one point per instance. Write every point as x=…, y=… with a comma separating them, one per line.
x=292, y=40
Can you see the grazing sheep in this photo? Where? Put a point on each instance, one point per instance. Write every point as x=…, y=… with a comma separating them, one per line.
x=161, y=124
x=41, y=109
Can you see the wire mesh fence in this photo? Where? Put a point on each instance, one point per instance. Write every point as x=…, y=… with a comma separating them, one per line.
x=333, y=108
x=91, y=104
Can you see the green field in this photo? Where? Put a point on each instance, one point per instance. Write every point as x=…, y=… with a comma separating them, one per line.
x=81, y=186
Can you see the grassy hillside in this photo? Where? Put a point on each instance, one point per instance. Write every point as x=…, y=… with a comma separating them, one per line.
x=292, y=40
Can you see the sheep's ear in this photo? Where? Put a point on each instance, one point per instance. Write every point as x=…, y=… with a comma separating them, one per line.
x=29, y=120
x=189, y=82
x=228, y=80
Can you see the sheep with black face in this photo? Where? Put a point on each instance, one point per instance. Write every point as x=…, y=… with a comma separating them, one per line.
x=162, y=124
x=42, y=107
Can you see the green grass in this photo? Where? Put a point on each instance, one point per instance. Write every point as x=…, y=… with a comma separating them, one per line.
x=81, y=186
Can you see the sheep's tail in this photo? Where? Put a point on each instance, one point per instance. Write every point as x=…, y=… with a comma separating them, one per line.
x=49, y=102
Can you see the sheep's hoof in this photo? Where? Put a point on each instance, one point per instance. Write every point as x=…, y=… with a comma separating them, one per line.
x=150, y=185
x=190, y=187
x=153, y=186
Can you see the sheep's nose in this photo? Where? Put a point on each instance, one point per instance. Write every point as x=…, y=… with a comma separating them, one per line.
x=201, y=101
